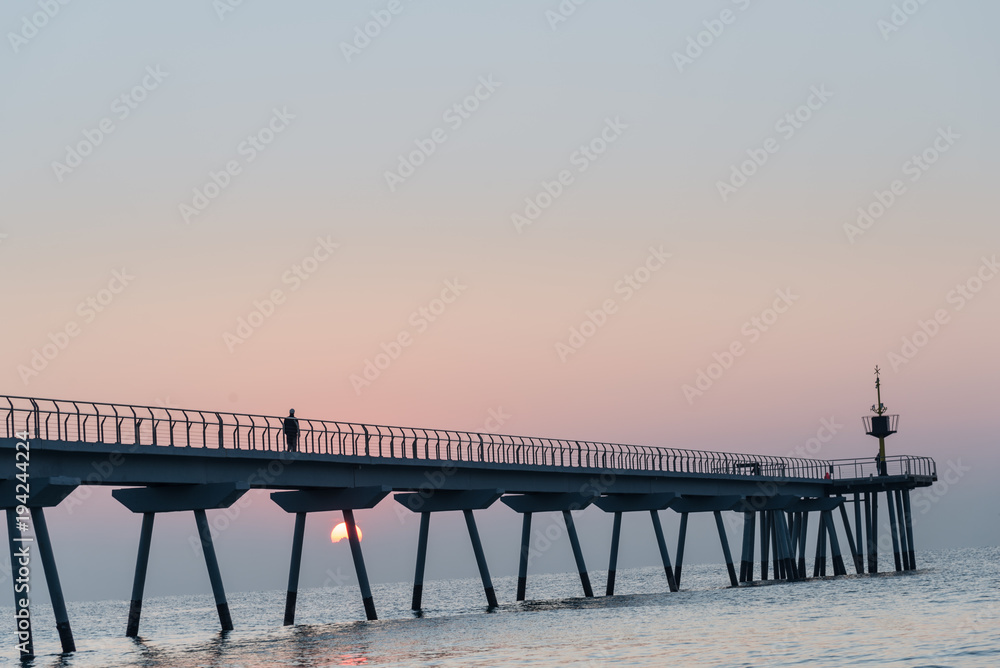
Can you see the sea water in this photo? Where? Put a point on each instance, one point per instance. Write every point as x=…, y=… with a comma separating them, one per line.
x=945, y=614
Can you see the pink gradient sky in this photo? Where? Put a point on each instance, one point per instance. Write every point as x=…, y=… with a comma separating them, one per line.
x=161, y=339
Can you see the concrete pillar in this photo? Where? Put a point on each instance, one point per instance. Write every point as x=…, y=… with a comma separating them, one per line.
x=681, y=539
x=477, y=547
x=522, y=569
x=875, y=532
x=574, y=541
x=784, y=545
x=52, y=580
x=869, y=536
x=746, y=547
x=359, y=565
x=214, y=574
x=139, y=581
x=779, y=561
x=293, y=568
x=616, y=533
x=22, y=613
x=803, y=534
x=725, y=549
x=819, y=566
x=765, y=543
x=901, y=523
x=909, y=529
x=418, y=575
x=838, y=559
x=858, y=564
x=664, y=555
x=891, y=507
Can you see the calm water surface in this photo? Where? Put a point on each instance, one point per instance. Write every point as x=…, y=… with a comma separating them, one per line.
x=946, y=614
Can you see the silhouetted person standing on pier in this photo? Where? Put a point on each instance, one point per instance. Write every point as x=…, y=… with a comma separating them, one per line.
x=291, y=428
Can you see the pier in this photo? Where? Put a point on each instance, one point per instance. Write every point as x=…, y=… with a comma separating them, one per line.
x=184, y=460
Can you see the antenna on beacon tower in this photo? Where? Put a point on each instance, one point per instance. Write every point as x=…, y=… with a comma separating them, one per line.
x=880, y=425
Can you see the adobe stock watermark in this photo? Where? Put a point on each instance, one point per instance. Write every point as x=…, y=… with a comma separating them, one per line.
x=562, y=12
x=121, y=108
x=435, y=480
x=495, y=419
x=102, y=471
x=901, y=14
x=924, y=498
x=704, y=39
x=370, y=30
x=295, y=276
x=915, y=167
x=958, y=297
x=419, y=321
x=582, y=158
x=542, y=539
x=265, y=476
x=454, y=117
x=752, y=329
x=32, y=24
x=248, y=150
x=224, y=7
x=627, y=287
x=828, y=429
x=87, y=310
x=786, y=126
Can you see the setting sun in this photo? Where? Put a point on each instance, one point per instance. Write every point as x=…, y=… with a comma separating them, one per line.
x=339, y=533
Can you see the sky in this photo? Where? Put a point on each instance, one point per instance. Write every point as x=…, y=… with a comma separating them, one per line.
x=696, y=225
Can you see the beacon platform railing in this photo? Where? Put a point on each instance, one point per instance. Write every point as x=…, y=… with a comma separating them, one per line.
x=904, y=465
x=95, y=422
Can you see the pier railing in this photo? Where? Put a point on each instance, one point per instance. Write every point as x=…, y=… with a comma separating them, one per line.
x=906, y=465
x=94, y=422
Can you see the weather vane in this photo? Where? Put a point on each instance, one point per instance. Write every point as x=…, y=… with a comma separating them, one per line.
x=878, y=408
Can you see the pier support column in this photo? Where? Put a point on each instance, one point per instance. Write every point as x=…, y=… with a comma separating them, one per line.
x=803, y=534
x=214, y=574
x=574, y=541
x=662, y=544
x=564, y=502
x=819, y=566
x=293, y=568
x=359, y=565
x=874, y=557
x=765, y=543
x=45, y=492
x=139, y=581
x=418, y=573
x=858, y=565
x=616, y=532
x=522, y=570
x=681, y=539
x=344, y=499
x=901, y=523
x=869, y=537
x=52, y=580
x=25, y=642
x=891, y=507
x=477, y=547
x=179, y=498
x=838, y=559
x=785, y=545
x=794, y=524
x=779, y=561
x=909, y=529
x=746, y=556
x=725, y=548
x=859, y=533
